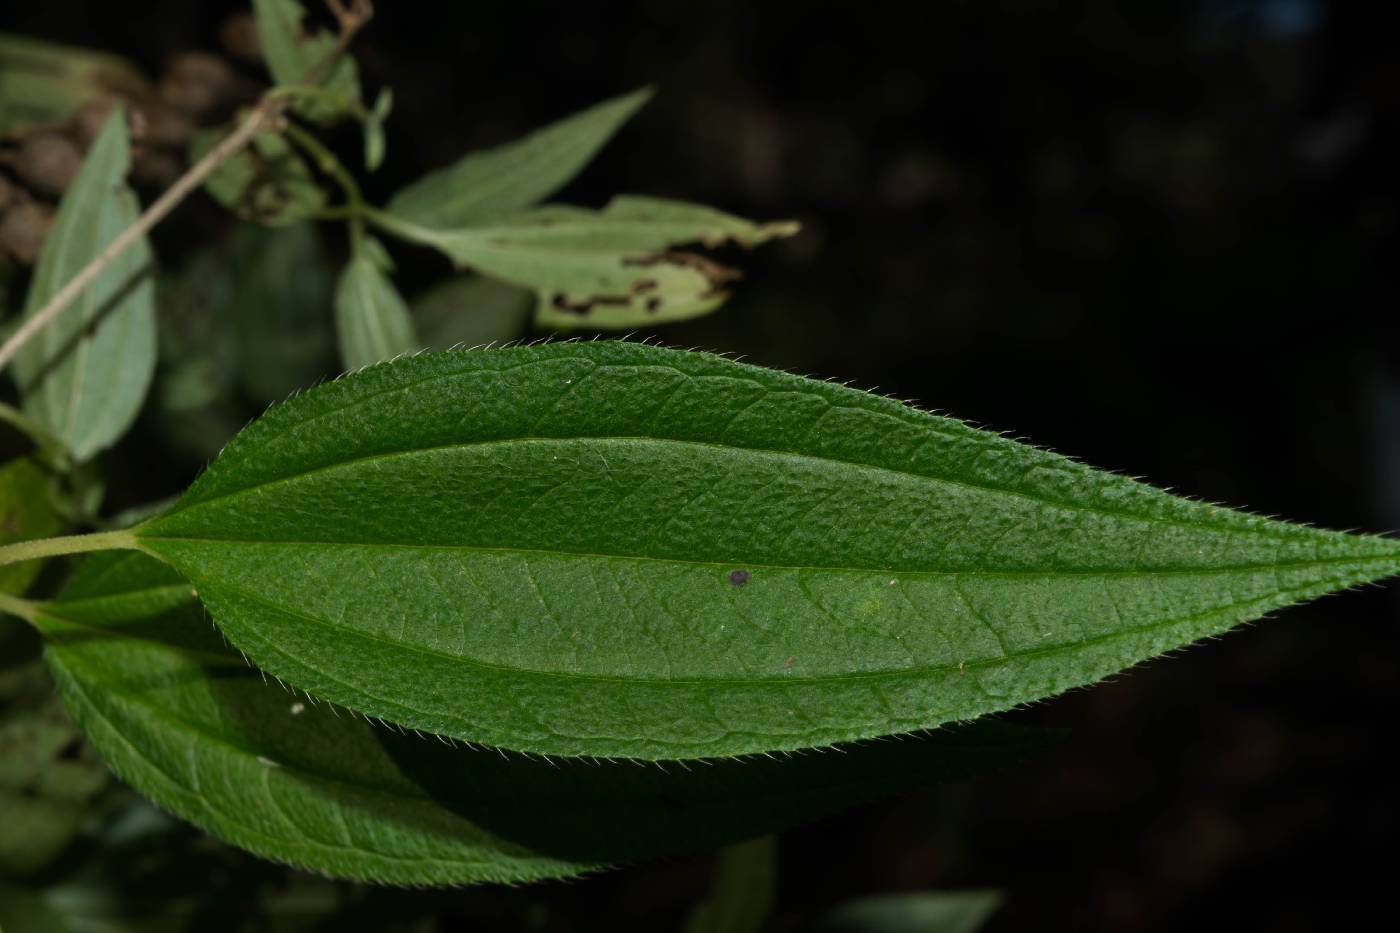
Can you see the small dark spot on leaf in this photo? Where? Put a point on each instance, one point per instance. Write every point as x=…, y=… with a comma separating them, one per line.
x=738, y=577
x=653, y=305
x=71, y=751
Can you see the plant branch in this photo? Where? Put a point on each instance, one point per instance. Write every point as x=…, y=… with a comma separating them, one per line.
x=269, y=109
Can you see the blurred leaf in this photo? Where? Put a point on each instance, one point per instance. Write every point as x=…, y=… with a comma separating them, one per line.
x=471, y=311
x=281, y=308
x=371, y=318
x=268, y=181
x=675, y=555
x=292, y=49
x=918, y=912
x=182, y=718
x=487, y=186
x=23, y=910
x=44, y=83
x=608, y=268
x=85, y=376
x=374, y=129
x=26, y=511
x=47, y=773
x=742, y=893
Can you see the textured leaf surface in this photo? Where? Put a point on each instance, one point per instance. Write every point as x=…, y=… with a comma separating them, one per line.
x=85, y=376
x=486, y=186
x=26, y=512
x=292, y=50
x=183, y=719
x=616, y=549
x=608, y=268
x=371, y=319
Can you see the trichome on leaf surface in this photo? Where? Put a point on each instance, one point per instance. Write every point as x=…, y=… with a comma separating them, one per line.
x=557, y=559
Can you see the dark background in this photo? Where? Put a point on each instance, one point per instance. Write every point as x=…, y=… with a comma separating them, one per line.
x=1157, y=236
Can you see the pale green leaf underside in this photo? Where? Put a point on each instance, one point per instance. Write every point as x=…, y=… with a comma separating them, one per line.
x=613, y=549
x=487, y=186
x=372, y=320
x=85, y=376
x=292, y=50
x=609, y=268
x=182, y=718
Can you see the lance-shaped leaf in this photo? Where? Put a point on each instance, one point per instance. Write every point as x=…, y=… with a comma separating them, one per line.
x=293, y=49
x=85, y=375
x=372, y=321
x=610, y=268
x=617, y=549
x=182, y=718
x=486, y=186
x=914, y=912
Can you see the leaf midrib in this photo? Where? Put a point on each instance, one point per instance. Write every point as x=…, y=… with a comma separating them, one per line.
x=968, y=664
x=1271, y=530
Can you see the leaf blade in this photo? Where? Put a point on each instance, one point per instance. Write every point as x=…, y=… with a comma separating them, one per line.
x=372, y=320
x=292, y=51
x=671, y=555
x=180, y=716
x=495, y=183
x=86, y=375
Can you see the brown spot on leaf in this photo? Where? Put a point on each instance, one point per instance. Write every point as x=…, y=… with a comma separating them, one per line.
x=738, y=577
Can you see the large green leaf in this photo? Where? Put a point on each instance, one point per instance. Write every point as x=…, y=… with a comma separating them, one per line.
x=182, y=718
x=372, y=320
x=293, y=49
x=608, y=268
x=85, y=375
x=486, y=186
x=614, y=549
x=26, y=511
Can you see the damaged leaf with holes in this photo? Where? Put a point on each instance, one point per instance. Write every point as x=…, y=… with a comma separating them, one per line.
x=609, y=269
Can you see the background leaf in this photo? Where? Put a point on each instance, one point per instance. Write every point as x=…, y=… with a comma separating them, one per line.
x=47, y=774
x=742, y=893
x=471, y=311
x=185, y=721
x=611, y=549
x=26, y=512
x=372, y=321
x=608, y=268
x=268, y=181
x=85, y=376
x=487, y=186
x=292, y=49
x=43, y=83
x=914, y=912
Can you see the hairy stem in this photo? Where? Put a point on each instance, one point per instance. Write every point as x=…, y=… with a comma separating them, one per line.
x=68, y=544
